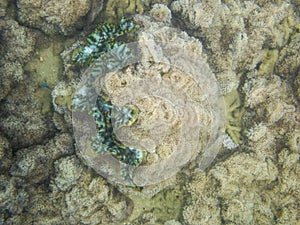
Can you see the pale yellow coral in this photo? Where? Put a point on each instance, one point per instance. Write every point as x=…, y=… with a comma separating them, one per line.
x=117, y=9
x=161, y=13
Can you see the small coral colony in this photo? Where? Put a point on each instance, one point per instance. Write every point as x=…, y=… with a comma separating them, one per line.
x=105, y=114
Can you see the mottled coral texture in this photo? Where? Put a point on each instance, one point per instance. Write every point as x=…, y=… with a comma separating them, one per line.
x=55, y=17
x=253, y=49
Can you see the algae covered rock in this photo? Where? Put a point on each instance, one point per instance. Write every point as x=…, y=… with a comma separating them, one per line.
x=235, y=33
x=11, y=74
x=19, y=41
x=3, y=8
x=55, y=17
x=67, y=172
x=5, y=154
x=17, y=45
x=35, y=163
x=13, y=198
x=23, y=120
x=91, y=202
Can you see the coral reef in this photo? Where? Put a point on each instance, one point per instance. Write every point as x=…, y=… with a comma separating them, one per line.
x=87, y=199
x=54, y=17
x=201, y=189
x=240, y=190
x=247, y=187
x=235, y=32
x=67, y=172
x=11, y=74
x=269, y=98
x=251, y=46
x=13, y=199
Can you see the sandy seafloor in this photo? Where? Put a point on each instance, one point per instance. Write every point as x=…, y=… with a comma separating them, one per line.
x=253, y=51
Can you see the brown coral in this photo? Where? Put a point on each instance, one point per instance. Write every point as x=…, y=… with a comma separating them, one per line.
x=54, y=17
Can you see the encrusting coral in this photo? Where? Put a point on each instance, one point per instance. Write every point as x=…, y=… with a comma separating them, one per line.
x=35, y=164
x=17, y=45
x=23, y=120
x=235, y=33
x=54, y=17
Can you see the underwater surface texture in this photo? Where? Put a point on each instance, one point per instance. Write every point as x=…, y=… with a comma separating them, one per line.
x=160, y=112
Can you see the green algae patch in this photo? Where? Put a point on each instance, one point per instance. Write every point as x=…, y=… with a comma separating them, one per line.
x=43, y=97
x=269, y=60
x=45, y=69
x=166, y=205
x=234, y=112
x=46, y=66
x=64, y=101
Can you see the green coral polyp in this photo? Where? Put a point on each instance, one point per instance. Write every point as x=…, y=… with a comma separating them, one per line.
x=102, y=40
